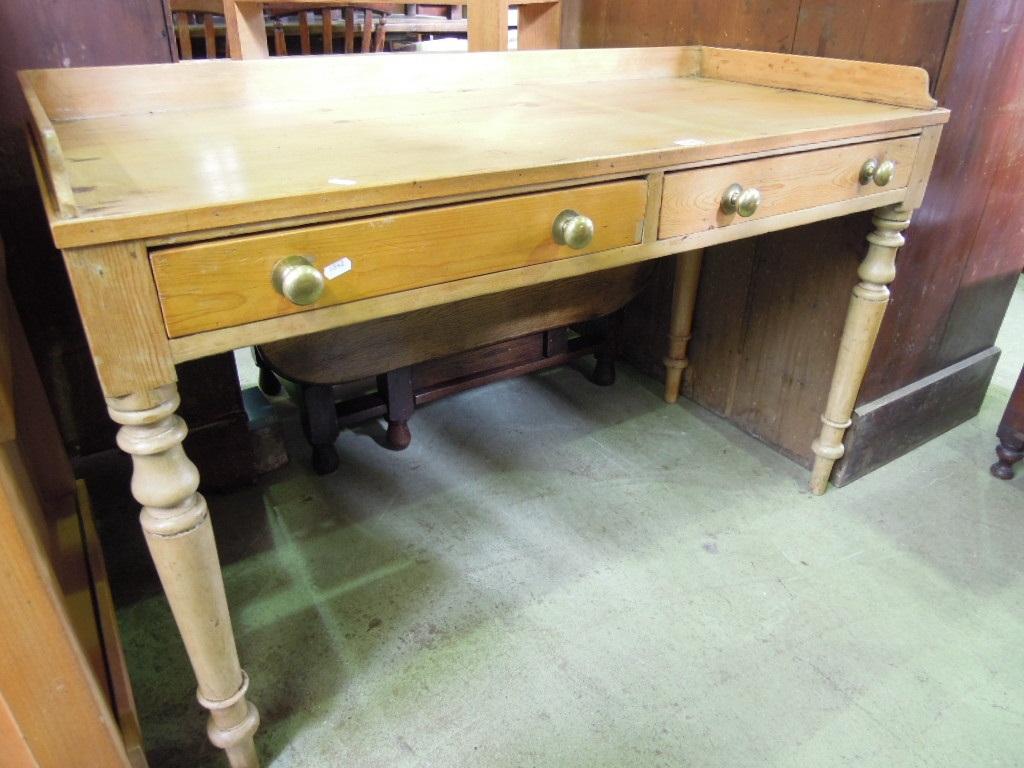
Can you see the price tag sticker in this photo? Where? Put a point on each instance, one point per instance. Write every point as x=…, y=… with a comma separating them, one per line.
x=338, y=268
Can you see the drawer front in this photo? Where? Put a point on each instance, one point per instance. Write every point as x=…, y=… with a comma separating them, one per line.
x=229, y=282
x=692, y=200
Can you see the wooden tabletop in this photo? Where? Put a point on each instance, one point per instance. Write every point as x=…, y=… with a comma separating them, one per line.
x=150, y=151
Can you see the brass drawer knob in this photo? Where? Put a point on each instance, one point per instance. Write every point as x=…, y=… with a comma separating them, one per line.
x=880, y=173
x=742, y=201
x=573, y=229
x=298, y=280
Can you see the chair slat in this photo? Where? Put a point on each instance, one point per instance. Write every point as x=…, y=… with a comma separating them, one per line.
x=350, y=30
x=304, y=44
x=328, y=27
x=210, y=35
x=184, y=35
x=365, y=40
x=378, y=35
x=280, y=44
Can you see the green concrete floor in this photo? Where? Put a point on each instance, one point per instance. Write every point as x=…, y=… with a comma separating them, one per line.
x=556, y=574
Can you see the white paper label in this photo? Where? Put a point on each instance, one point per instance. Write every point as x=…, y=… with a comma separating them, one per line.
x=338, y=268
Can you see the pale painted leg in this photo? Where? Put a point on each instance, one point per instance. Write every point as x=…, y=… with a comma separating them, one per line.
x=684, y=298
x=863, y=319
x=177, y=525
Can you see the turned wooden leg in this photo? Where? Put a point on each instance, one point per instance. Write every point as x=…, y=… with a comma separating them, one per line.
x=684, y=298
x=319, y=417
x=177, y=526
x=396, y=387
x=1009, y=452
x=863, y=319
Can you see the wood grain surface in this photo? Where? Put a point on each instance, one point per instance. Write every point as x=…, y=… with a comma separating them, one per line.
x=693, y=199
x=262, y=157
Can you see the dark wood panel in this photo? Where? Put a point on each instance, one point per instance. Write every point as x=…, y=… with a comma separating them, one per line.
x=963, y=253
x=366, y=349
x=765, y=24
x=65, y=33
x=892, y=32
x=887, y=428
x=997, y=254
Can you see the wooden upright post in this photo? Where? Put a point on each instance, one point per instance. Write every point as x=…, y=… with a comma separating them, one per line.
x=540, y=26
x=488, y=25
x=246, y=29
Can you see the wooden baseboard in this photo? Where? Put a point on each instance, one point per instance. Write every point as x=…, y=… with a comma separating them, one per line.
x=895, y=424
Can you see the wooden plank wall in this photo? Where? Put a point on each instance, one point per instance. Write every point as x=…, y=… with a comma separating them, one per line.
x=770, y=311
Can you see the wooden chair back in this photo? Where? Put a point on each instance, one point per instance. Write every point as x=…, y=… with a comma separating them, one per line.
x=185, y=12
x=368, y=21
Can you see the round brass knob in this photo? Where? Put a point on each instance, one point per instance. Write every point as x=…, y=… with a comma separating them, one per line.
x=573, y=229
x=298, y=280
x=880, y=173
x=742, y=201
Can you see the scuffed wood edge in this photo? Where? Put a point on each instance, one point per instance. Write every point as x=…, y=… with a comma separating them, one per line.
x=120, y=311
x=47, y=144
x=334, y=204
x=892, y=84
x=922, y=170
x=268, y=225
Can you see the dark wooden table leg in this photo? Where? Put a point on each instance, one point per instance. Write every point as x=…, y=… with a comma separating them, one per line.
x=396, y=386
x=1011, y=433
x=320, y=424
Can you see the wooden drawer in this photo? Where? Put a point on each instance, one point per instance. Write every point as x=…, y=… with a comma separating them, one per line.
x=228, y=282
x=692, y=200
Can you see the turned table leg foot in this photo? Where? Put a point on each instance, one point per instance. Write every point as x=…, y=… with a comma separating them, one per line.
x=400, y=400
x=863, y=319
x=176, y=523
x=684, y=299
x=319, y=417
x=1009, y=454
